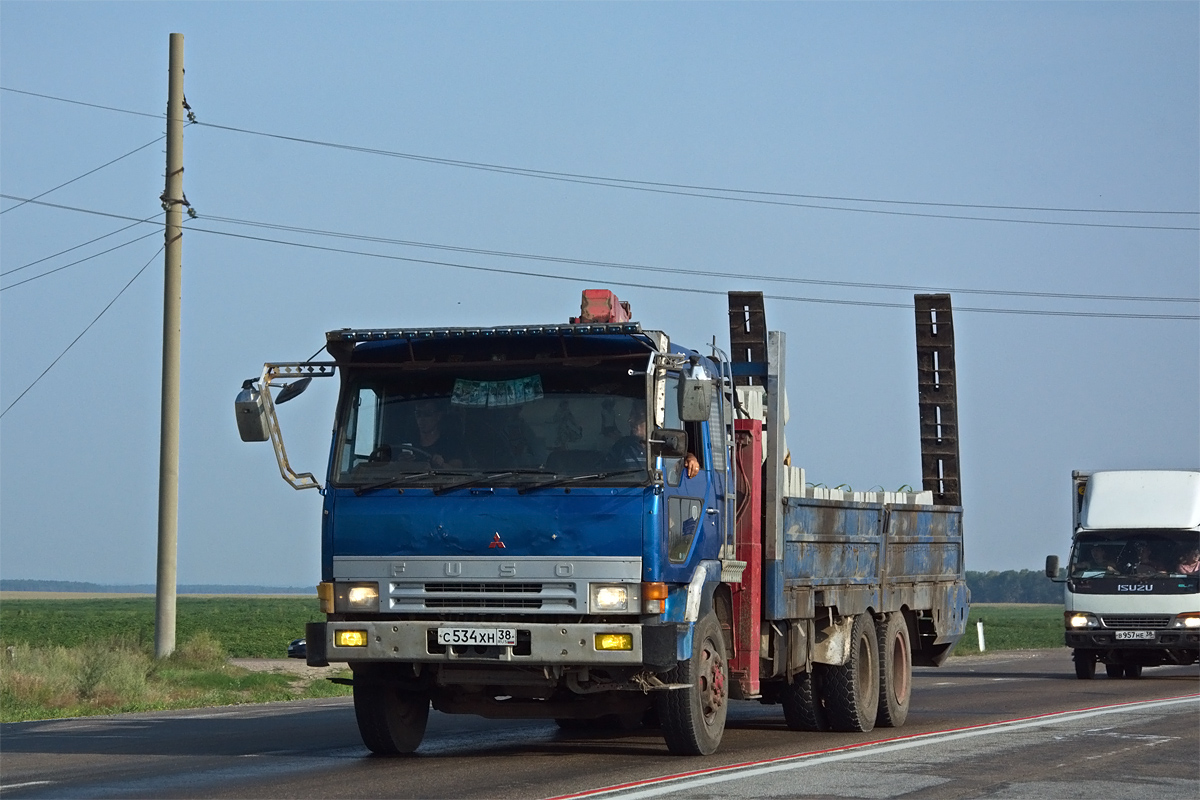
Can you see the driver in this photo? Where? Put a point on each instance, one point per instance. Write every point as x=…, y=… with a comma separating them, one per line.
x=443, y=447
x=630, y=451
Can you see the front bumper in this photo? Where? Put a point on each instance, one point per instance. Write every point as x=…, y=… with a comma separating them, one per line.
x=409, y=641
x=1106, y=639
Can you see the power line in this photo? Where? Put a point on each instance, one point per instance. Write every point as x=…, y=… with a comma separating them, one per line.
x=84, y=175
x=685, y=190
x=699, y=273
x=791, y=298
x=322, y=248
x=698, y=190
x=85, y=330
x=76, y=247
x=73, y=263
x=81, y=103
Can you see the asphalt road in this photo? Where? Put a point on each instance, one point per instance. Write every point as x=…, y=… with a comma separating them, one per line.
x=1010, y=725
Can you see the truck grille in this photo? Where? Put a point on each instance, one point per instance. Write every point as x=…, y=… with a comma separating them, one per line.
x=485, y=588
x=485, y=596
x=1125, y=622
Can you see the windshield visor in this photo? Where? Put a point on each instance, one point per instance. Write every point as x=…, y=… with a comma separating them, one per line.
x=491, y=425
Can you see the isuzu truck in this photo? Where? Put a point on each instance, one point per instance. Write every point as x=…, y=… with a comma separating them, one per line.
x=586, y=521
x=1132, y=584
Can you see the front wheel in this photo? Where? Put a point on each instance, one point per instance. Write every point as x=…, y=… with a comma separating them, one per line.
x=851, y=690
x=391, y=720
x=693, y=719
x=1133, y=670
x=1085, y=664
x=1114, y=670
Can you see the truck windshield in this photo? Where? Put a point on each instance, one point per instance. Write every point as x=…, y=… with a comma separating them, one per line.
x=496, y=426
x=1142, y=554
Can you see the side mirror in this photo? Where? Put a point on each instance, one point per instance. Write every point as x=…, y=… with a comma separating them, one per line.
x=292, y=390
x=670, y=443
x=1052, y=567
x=251, y=414
x=695, y=398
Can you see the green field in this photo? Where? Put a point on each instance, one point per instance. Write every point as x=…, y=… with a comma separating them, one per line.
x=1012, y=626
x=246, y=627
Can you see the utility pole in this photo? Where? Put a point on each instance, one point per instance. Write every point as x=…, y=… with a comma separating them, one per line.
x=168, y=453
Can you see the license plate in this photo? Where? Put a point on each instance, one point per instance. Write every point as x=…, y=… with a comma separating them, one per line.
x=478, y=636
x=1135, y=635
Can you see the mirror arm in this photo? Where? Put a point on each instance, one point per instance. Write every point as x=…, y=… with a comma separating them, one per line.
x=302, y=480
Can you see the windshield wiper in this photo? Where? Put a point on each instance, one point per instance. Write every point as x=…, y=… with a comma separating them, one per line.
x=402, y=479
x=484, y=477
x=575, y=478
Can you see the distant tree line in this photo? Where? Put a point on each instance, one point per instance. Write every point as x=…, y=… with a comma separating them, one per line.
x=1013, y=586
x=18, y=585
x=1010, y=586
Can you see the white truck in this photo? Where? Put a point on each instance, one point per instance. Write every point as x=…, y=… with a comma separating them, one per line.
x=1132, y=594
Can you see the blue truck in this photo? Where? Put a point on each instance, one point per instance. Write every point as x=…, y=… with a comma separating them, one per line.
x=587, y=522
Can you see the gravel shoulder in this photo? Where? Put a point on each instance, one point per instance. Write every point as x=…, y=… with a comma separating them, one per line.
x=294, y=666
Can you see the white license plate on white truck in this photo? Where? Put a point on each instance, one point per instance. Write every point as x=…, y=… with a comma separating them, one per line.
x=500, y=637
x=1134, y=635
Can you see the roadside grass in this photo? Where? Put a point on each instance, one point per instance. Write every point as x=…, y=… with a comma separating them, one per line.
x=117, y=676
x=81, y=657
x=1012, y=626
x=69, y=658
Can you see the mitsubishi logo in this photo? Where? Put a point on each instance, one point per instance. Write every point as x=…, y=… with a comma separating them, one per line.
x=496, y=542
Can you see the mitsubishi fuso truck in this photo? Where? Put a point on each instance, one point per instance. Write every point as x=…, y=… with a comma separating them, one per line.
x=589, y=522
x=1132, y=584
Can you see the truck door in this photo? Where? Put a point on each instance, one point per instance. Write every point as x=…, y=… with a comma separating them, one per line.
x=691, y=531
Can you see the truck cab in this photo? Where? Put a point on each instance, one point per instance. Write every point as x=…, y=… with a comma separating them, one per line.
x=1132, y=583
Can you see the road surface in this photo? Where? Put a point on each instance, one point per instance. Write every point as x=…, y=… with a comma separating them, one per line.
x=1008, y=725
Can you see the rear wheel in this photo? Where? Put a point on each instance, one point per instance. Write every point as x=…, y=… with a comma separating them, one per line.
x=851, y=690
x=895, y=671
x=801, y=701
x=391, y=720
x=1133, y=670
x=1085, y=664
x=693, y=719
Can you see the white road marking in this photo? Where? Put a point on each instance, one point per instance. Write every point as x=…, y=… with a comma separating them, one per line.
x=23, y=785
x=675, y=784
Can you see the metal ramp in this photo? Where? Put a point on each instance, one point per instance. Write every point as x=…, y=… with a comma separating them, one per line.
x=747, y=334
x=937, y=398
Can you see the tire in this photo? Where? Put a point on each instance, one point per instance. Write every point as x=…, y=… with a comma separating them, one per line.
x=1133, y=670
x=391, y=720
x=1114, y=670
x=895, y=671
x=801, y=701
x=693, y=719
x=1085, y=664
x=851, y=690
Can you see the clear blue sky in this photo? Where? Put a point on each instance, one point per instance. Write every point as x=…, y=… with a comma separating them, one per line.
x=1088, y=106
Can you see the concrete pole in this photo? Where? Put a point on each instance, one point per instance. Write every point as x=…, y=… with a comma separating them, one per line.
x=168, y=454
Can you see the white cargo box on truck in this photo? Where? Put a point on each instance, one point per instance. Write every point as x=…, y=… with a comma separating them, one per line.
x=1132, y=588
x=1142, y=499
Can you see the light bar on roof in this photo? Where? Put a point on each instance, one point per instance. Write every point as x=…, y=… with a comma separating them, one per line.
x=369, y=335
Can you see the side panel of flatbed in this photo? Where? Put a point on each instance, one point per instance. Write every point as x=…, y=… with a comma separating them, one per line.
x=853, y=556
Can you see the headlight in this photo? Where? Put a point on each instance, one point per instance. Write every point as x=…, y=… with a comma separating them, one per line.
x=609, y=598
x=1189, y=620
x=1079, y=619
x=357, y=597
